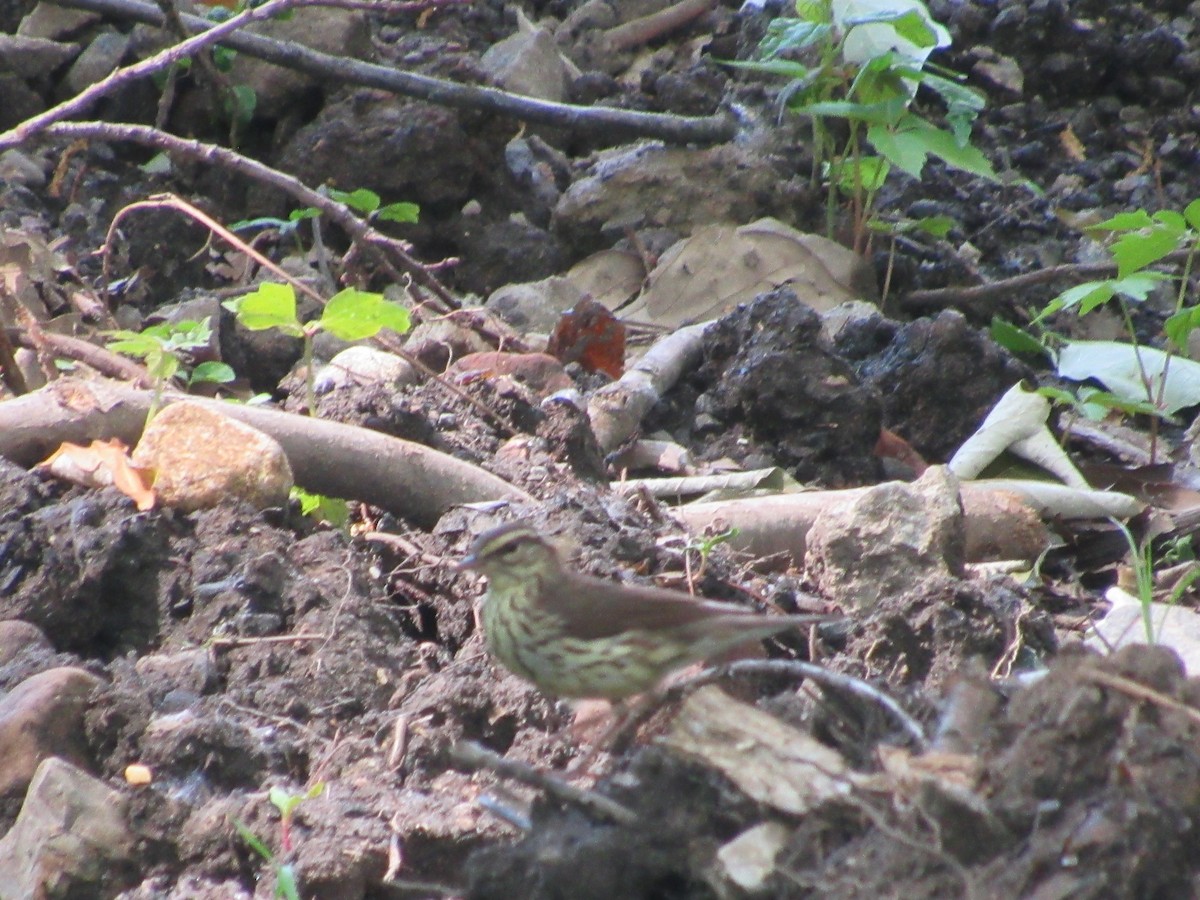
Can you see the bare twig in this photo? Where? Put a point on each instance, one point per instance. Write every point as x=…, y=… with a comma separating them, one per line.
x=937, y=298
x=99, y=358
x=604, y=121
x=83, y=101
x=1141, y=692
x=226, y=643
x=473, y=756
x=384, y=248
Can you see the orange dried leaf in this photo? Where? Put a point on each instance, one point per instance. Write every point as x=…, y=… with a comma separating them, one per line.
x=592, y=336
x=102, y=464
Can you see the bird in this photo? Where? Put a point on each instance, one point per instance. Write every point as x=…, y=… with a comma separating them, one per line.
x=579, y=637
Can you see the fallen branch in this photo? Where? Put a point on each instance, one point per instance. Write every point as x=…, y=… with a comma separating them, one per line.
x=1008, y=288
x=99, y=358
x=330, y=458
x=616, y=410
x=603, y=121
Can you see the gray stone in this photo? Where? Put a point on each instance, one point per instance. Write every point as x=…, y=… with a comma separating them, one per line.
x=71, y=838
x=43, y=717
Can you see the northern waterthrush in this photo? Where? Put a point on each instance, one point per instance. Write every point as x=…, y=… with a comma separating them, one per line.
x=574, y=635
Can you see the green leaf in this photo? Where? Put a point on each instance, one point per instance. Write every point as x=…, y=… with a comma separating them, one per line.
x=284, y=801
x=261, y=222
x=353, y=315
x=400, y=212
x=240, y=103
x=916, y=138
x=787, y=35
x=879, y=113
x=305, y=212
x=1016, y=339
x=865, y=174
x=271, y=306
x=1191, y=212
x=813, y=10
x=1180, y=326
x=253, y=840
x=159, y=164
x=223, y=58
x=212, y=372
x=362, y=200
x=1136, y=250
x=1138, y=286
x=786, y=67
x=1126, y=221
x=285, y=882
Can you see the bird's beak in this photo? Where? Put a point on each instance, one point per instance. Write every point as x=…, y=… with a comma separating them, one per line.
x=469, y=561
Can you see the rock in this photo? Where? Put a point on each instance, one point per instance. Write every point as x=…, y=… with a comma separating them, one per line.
x=71, y=838
x=749, y=859
x=187, y=670
x=363, y=365
x=652, y=186
x=341, y=32
x=540, y=372
x=43, y=717
x=203, y=458
x=18, y=638
x=55, y=22
x=32, y=57
x=528, y=62
x=535, y=306
x=98, y=61
x=892, y=540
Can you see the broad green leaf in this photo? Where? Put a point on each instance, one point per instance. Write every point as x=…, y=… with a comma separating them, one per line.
x=400, y=212
x=1191, y=212
x=1138, y=286
x=1126, y=221
x=362, y=200
x=306, y=212
x=353, y=315
x=213, y=372
x=784, y=35
x=271, y=306
x=240, y=104
x=1092, y=293
x=865, y=174
x=1136, y=250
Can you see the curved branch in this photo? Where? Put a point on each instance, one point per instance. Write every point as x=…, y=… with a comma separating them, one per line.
x=410, y=480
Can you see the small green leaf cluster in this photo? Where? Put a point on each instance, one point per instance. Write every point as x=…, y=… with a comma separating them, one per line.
x=351, y=315
x=864, y=61
x=163, y=349
x=1139, y=379
x=361, y=200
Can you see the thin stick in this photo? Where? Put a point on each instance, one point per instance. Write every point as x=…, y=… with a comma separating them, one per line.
x=837, y=680
x=473, y=756
x=1142, y=692
x=608, y=122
